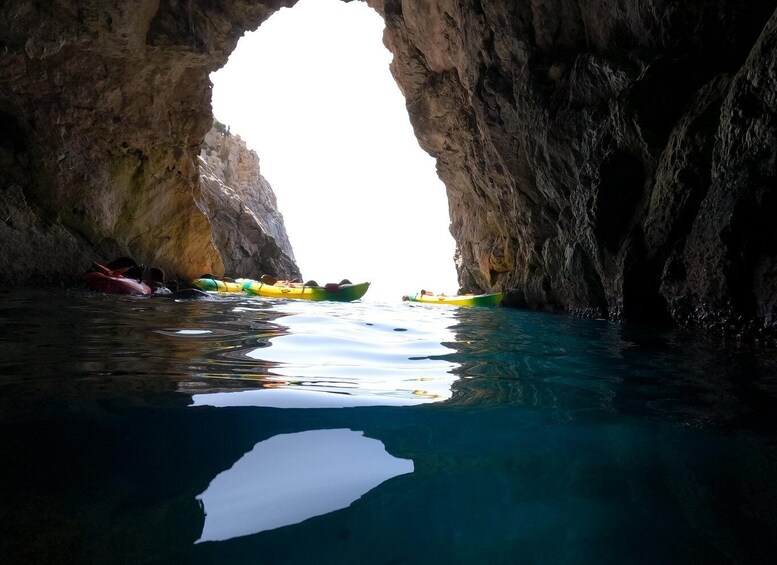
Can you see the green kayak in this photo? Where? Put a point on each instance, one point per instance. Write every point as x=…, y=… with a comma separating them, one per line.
x=492, y=299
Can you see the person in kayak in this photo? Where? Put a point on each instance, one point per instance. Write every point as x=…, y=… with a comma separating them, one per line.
x=124, y=276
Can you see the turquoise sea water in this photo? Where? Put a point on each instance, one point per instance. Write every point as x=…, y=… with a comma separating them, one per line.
x=258, y=431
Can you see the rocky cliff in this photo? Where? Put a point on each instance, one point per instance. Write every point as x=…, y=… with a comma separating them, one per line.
x=604, y=157
x=103, y=107
x=240, y=204
x=609, y=158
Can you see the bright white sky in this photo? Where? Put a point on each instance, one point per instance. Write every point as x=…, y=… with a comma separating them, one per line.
x=311, y=92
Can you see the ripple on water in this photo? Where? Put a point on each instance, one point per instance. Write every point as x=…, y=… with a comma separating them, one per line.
x=353, y=354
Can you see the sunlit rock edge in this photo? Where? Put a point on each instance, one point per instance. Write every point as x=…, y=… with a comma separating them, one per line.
x=248, y=229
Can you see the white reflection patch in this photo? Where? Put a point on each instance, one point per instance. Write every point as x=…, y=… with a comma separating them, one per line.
x=300, y=398
x=292, y=477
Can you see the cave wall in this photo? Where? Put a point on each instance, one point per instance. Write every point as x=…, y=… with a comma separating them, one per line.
x=103, y=106
x=603, y=157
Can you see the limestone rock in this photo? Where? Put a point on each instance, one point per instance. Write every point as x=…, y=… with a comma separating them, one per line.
x=240, y=204
x=103, y=106
x=605, y=158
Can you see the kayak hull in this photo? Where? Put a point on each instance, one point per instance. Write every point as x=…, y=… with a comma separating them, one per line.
x=338, y=293
x=216, y=285
x=117, y=284
x=492, y=299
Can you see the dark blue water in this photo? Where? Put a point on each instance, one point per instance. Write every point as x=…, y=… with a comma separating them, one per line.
x=253, y=431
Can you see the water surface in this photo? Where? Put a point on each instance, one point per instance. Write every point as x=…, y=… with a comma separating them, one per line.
x=260, y=431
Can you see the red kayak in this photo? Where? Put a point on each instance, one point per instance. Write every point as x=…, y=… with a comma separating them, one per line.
x=103, y=279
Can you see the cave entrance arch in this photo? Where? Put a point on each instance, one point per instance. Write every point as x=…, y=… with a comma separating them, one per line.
x=311, y=92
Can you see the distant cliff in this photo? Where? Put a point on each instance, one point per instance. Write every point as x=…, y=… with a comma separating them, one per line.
x=247, y=227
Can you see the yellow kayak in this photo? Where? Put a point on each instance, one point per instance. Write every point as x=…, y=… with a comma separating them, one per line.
x=332, y=291
x=458, y=300
x=217, y=285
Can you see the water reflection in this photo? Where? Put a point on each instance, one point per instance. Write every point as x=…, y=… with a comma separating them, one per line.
x=330, y=356
x=571, y=368
x=284, y=397
x=292, y=477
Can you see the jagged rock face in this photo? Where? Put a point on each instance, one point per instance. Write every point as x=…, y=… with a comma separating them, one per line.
x=607, y=158
x=248, y=229
x=103, y=106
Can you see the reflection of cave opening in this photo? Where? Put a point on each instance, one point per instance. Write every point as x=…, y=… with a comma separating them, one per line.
x=311, y=92
x=289, y=478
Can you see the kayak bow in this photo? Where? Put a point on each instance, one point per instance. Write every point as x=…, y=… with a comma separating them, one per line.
x=217, y=285
x=458, y=300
